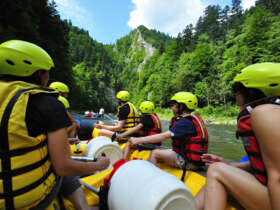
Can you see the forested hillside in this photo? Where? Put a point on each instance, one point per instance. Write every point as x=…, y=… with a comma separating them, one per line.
x=38, y=22
x=94, y=69
x=203, y=58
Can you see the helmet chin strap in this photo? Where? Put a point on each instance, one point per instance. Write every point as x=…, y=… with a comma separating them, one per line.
x=179, y=109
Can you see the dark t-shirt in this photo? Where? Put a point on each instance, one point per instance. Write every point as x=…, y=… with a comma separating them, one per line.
x=123, y=112
x=45, y=114
x=184, y=126
x=147, y=121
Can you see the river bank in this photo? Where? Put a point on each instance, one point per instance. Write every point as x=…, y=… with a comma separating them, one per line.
x=219, y=115
x=210, y=120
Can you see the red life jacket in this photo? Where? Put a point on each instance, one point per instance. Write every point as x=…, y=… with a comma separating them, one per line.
x=249, y=139
x=174, y=120
x=192, y=147
x=155, y=130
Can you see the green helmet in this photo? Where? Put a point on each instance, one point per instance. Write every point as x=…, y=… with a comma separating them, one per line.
x=123, y=95
x=60, y=87
x=147, y=107
x=64, y=101
x=187, y=98
x=20, y=58
x=262, y=76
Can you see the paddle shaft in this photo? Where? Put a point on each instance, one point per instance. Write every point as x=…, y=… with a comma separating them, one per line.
x=147, y=145
x=91, y=188
x=153, y=146
x=84, y=159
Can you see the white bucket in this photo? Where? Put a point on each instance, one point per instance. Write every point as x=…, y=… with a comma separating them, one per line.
x=140, y=185
x=103, y=144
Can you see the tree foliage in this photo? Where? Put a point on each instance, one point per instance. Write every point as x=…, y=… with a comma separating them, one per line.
x=203, y=59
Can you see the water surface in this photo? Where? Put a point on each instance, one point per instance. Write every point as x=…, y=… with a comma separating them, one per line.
x=222, y=141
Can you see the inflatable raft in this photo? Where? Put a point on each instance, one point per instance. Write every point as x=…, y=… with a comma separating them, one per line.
x=193, y=180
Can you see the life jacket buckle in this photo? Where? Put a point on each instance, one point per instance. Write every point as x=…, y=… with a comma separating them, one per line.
x=249, y=109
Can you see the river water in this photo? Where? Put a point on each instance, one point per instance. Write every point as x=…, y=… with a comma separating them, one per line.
x=222, y=141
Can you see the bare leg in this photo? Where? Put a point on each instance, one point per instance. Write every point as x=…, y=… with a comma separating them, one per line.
x=79, y=201
x=126, y=151
x=71, y=131
x=104, y=132
x=167, y=156
x=243, y=186
x=199, y=199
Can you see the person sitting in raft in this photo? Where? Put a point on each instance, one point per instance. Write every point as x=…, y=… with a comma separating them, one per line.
x=175, y=111
x=127, y=114
x=149, y=125
x=35, y=151
x=63, y=91
x=189, y=136
x=254, y=184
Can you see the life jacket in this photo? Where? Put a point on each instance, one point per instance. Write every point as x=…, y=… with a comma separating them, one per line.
x=192, y=147
x=27, y=178
x=157, y=126
x=248, y=137
x=174, y=119
x=132, y=119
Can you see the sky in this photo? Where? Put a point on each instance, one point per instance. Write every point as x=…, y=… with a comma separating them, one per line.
x=109, y=20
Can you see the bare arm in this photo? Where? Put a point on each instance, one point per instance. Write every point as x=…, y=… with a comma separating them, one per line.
x=114, y=128
x=210, y=158
x=265, y=123
x=73, y=128
x=62, y=162
x=131, y=131
x=244, y=165
x=151, y=139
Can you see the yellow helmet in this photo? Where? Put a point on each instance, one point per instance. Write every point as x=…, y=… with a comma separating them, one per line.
x=64, y=101
x=123, y=95
x=262, y=76
x=147, y=107
x=187, y=98
x=20, y=58
x=60, y=87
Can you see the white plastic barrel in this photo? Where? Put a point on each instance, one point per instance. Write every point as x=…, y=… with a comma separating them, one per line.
x=103, y=144
x=140, y=185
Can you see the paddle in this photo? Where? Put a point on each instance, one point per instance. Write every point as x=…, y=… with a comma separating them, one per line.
x=84, y=159
x=77, y=151
x=87, y=159
x=147, y=145
x=91, y=188
x=153, y=146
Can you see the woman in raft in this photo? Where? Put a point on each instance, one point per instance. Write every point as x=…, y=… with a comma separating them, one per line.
x=254, y=184
x=34, y=146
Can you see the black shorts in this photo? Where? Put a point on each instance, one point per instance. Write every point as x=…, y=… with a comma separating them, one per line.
x=69, y=185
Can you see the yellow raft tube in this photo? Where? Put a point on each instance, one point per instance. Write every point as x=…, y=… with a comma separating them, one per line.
x=194, y=181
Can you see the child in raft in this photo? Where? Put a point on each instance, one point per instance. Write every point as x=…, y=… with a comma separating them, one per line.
x=188, y=133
